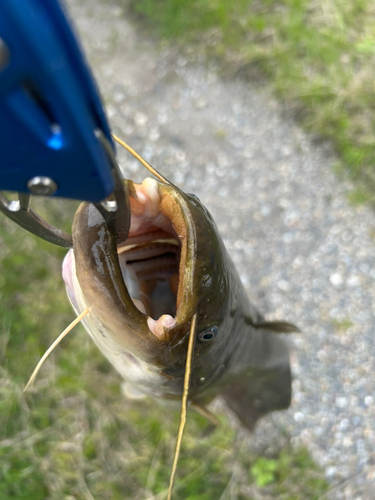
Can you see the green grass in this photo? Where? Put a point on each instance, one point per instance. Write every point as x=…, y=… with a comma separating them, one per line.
x=318, y=55
x=74, y=436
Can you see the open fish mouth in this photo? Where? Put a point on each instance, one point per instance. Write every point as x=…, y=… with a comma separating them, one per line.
x=150, y=258
x=151, y=265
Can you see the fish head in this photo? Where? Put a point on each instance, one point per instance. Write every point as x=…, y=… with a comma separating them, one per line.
x=142, y=293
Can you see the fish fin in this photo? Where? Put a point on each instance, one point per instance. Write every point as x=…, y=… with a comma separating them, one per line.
x=274, y=326
x=260, y=391
x=131, y=392
x=202, y=410
x=278, y=326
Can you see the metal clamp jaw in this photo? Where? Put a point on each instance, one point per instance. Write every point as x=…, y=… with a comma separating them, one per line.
x=115, y=210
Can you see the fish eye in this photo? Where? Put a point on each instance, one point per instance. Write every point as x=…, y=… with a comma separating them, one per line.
x=208, y=335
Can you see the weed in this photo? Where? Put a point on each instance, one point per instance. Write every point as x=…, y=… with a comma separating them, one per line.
x=264, y=471
x=343, y=324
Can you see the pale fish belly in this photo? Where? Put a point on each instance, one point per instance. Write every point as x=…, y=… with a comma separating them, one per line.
x=135, y=371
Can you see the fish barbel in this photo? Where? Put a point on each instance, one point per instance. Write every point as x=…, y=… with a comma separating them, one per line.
x=142, y=294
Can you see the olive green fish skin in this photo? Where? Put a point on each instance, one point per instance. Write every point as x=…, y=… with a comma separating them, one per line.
x=246, y=361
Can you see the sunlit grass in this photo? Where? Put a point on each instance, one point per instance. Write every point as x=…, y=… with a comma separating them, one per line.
x=75, y=436
x=319, y=56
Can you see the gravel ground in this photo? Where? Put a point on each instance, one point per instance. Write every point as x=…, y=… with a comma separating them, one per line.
x=304, y=253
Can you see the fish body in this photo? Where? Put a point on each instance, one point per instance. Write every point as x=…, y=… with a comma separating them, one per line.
x=143, y=293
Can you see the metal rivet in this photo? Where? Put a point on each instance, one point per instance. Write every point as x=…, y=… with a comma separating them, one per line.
x=42, y=186
x=4, y=54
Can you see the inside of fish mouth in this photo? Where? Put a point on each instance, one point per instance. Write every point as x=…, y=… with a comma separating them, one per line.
x=150, y=258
